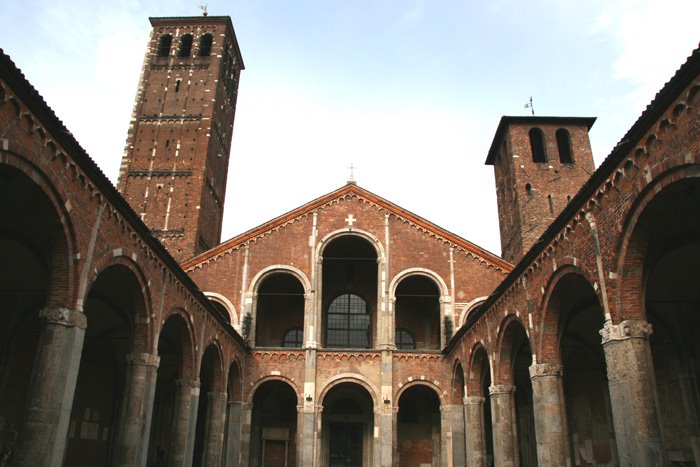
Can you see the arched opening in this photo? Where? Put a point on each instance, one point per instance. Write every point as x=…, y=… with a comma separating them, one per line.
x=574, y=304
x=205, y=45
x=209, y=375
x=174, y=350
x=185, y=49
x=669, y=227
x=418, y=427
x=164, y=44
x=515, y=360
x=348, y=426
x=349, y=292
x=418, y=311
x=31, y=247
x=222, y=310
x=113, y=302
x=279, y=310
x=564, y=146
x=479, y=418
x=274, y=425
x=537, y=146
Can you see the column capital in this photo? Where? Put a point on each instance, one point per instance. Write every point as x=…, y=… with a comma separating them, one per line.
x=143, y=359
x=217, y=396
x=496, y=389
x=627, y=329
x=545, y=369
x=187, y=382
x=474, y=400
x=63, y=316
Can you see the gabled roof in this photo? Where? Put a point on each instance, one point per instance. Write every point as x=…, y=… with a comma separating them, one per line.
x=350, y=189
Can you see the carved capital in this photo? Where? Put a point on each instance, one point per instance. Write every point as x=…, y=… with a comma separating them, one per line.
x=217, y=396
x=545, y=369
x=143, y=359
x=628, y=329
x=474, y=400
x=497, y=389
x=187, y=382
x=63, y=317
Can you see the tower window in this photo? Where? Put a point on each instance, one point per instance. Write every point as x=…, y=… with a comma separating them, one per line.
x=177, y=85
x=185, y=46
x=537, y=145
x=551, y=204
x=205, y=45
x=164, y=44
x=564, y=145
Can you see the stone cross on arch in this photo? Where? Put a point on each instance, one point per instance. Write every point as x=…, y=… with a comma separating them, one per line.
x=350, y=220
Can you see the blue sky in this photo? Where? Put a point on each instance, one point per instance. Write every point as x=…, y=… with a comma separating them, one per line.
x=408, y=91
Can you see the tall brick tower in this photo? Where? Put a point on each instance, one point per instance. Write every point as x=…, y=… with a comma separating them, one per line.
x=540, y=163
x=175, y=164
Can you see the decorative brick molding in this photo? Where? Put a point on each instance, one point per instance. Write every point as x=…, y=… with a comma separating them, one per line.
x=64, y=317
x=545, y=369
x=628, y=329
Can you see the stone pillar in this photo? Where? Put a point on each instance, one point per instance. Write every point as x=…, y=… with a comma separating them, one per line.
x=503, y=422
x=475, y=431
x=306, y=427
x=633, y=397
x=233, y=434
x=384, y=441
x=43, y=435
x=214, y=438
x=246, y=427
x=184, y=419
x=550, y=415
x=137, y=407
x=453, y=432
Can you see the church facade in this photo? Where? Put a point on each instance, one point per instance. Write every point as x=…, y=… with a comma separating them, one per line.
x=348, y=331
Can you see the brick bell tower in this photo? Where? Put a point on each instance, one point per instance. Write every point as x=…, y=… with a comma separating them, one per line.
x=175, y=164
x=540, y=163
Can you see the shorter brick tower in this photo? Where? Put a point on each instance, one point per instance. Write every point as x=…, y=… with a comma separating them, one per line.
x=175, y=164
x=540, y=163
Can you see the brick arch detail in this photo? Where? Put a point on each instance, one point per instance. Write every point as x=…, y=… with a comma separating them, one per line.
x=503, y=367
x=457, y=393
x=63, y=284
x=471, y=306
x=435, y=277
x=143, y=332
x=263, y=274
x=626, y=297
x=547, y=327
x=218, y=383
x=237, y=395
x=254, y=388
x=227, y=304
x=420, y=382
x=189, y=355
x=328, y=238
x=351, y=378
x=473, y=379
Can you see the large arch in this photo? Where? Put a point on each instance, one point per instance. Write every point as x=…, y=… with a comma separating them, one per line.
x=114, y=305
x=273, y=431
x=279, y=306
x=418, y=426
x=227, y=305
x=478, y=418
x=659, y=276
x=209, y=428
x=418, y=307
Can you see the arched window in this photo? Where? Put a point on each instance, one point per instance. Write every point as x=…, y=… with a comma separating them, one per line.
x=348, y=322
x=404, y=340
x=185, y=46
x=205, y=45
x=164, y=44
x=564, y=145
x=293, y=338
x=537, y=145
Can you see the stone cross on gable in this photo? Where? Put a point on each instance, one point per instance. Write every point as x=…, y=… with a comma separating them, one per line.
x=350, y=220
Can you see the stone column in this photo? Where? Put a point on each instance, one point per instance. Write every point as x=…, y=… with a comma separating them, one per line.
x=453, y=432
x=306, y=427
x=214, y=438
x=246, y=427
x=184, y=418
x=633, y=397
x=550, y=415
x=503, y=422
x=233, y=434
x=137, y=407
x=44, y=432
x=474, y=431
